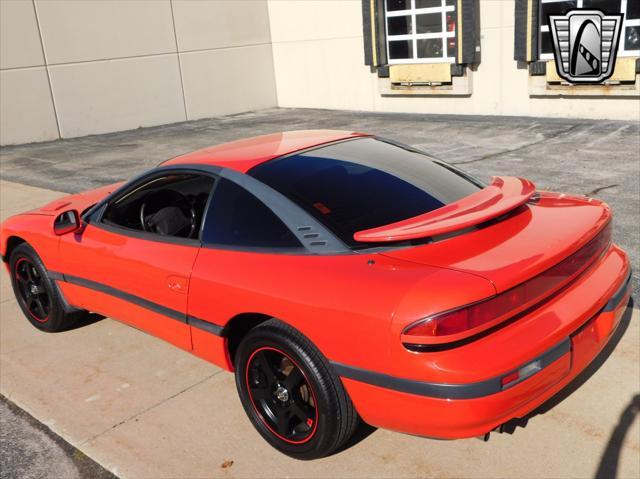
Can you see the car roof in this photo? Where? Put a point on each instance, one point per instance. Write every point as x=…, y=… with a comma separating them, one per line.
x=242, y=155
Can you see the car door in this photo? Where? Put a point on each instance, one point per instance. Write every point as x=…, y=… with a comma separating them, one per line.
x=140, y=278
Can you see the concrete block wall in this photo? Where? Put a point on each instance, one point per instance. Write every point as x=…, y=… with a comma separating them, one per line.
x=72, y=68
x=318, y=54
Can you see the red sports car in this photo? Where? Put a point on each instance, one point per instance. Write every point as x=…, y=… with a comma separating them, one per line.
x=340, y=276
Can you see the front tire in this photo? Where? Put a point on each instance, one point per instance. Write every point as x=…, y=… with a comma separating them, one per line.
x=37, y=295
x=290, y=393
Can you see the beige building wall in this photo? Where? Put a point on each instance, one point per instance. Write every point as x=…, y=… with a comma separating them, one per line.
x=319, y=63
x=26, y=108
x=72, y=68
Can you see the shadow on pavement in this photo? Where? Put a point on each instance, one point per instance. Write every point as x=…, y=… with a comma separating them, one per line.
x=362, y=432
x=85, y=320
x=608, y=467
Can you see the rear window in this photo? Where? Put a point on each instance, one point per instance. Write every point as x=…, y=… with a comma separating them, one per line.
x=365, y=183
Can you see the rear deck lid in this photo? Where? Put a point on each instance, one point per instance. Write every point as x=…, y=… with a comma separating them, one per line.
x=526, y=243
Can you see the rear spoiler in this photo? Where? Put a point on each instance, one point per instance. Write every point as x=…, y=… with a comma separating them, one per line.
x=505, y=193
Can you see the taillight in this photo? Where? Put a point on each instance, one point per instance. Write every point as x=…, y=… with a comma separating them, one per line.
x=468, y=320
x=471, y=319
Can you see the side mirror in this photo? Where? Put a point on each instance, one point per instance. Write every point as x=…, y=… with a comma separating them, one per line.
x=66, y=222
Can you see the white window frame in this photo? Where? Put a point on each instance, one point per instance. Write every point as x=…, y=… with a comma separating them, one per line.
x=414, y=37
x=622, y=52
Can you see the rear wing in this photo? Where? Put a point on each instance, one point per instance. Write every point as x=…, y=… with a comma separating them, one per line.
x=505, y=193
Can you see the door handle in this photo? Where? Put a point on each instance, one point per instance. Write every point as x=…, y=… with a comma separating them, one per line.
x=178, y=284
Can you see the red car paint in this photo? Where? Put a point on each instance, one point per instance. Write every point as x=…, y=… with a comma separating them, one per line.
x=242, y=155
x=355, y=307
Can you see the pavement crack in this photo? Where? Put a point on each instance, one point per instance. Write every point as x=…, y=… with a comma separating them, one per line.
x=519, y=148
x=153, y=406
x=598, y=190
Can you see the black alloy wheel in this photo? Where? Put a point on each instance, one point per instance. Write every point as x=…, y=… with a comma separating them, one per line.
x=37, y=294
x=31, y=290
x=281, y=395
x=290, y=392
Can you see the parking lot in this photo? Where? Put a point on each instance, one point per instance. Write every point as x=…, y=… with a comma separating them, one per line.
x=142, y=408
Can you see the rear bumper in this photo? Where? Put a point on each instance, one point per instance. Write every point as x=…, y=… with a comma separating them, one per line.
x=415, y=407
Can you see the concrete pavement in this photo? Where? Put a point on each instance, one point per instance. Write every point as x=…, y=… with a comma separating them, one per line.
x=144, y=409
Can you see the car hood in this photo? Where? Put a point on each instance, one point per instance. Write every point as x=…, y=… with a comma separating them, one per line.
x=526, y=242
x=78, y=201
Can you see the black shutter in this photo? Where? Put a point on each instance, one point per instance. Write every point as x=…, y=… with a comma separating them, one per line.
x=525, y=33
x=366, y=32
x=381, y=36
x=373, y=32
x=520, y=45
x=534, y=28
x=470, y=35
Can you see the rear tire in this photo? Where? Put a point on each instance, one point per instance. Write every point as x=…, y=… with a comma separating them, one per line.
x=37, y=295
x=291, y=394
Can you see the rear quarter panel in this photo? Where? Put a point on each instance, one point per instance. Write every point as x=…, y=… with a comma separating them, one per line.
x=344, y=304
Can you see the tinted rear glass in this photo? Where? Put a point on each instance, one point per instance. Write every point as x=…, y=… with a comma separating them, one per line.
x=364, y=183
x=237, y=218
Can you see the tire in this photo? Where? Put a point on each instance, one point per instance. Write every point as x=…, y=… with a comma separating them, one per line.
x=37, y=295
x=318, y=415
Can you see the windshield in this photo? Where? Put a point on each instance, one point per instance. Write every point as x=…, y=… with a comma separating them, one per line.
x=364, y=183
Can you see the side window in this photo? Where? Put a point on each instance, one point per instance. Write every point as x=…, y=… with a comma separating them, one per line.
x=171, y=205
x=237, y=218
